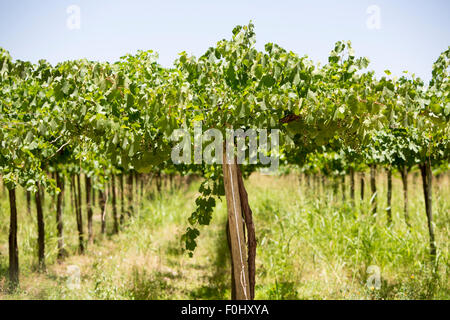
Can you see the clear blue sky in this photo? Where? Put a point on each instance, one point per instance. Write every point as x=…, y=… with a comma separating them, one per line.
x=411, y=34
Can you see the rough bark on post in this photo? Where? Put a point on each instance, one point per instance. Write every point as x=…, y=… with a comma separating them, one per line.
x=233, y=285
x=362, y=181
x=404, y=174
x=389, y=195
x=425, y=170
x=13, y=246
x=42, y=191
x=79, y=194
x=373, y=188
x=41, y=230
x=90, y=213
x=236, y=227
x=103, y=197
x=59, y=221
x=248, y=217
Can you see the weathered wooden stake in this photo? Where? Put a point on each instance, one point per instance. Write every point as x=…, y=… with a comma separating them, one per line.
x=236, y=228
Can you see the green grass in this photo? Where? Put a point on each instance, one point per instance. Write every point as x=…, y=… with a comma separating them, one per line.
x=311, y=245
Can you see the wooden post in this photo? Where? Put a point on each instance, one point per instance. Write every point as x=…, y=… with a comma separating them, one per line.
x=363, y=176
x=236, y=228
x=103, y=199
x=59, y=220
x=427, y=178
x=13, y=247
x=404, y=173
x=41, y=229
x=389, y=195
x=90, y=212
x=373, y=188
x=250, y=227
